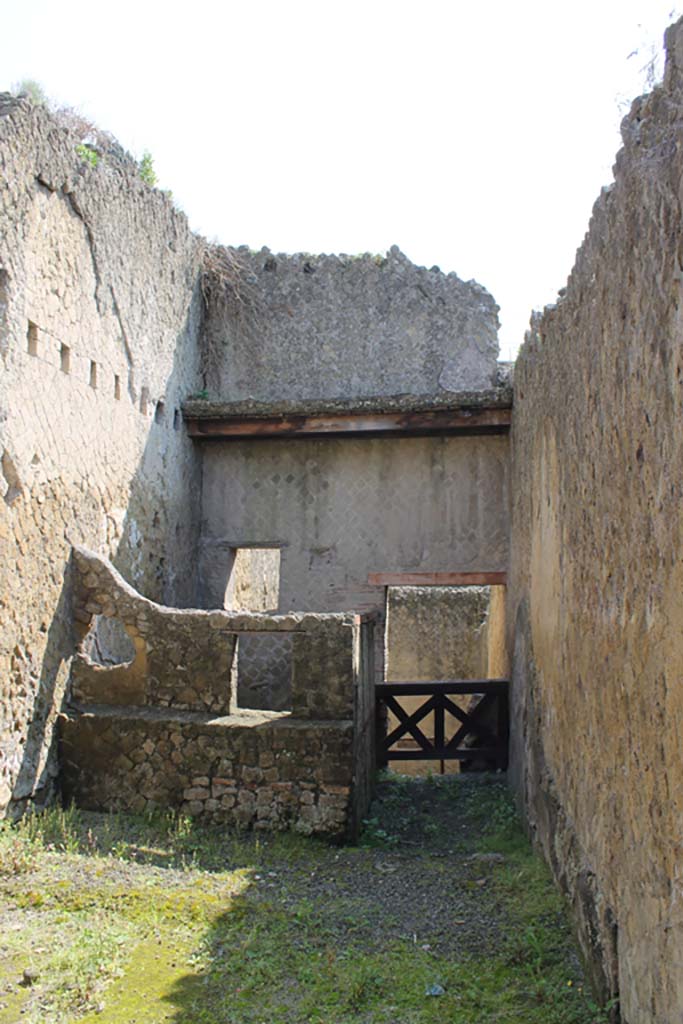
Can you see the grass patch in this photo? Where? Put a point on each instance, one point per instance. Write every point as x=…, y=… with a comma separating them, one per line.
x=139, y=920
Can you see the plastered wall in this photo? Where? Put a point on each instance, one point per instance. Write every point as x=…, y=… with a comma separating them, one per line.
x=99, y=319
x=340, y=509
x=596, y=584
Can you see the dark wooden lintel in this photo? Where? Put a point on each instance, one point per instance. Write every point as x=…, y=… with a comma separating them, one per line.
x=437, y=579
x=379, y=424
x=462, y=686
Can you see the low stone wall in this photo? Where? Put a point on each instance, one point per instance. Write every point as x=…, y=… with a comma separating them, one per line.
x=162, y=731
x=182, y=659
x=596, y=574
x=253, y=769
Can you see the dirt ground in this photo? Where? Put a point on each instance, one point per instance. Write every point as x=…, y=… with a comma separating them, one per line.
x=440, y=913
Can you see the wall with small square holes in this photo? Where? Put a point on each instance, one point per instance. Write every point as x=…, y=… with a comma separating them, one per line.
x=100, y=309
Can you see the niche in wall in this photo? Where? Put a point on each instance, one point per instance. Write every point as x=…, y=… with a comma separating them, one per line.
x=107, y=643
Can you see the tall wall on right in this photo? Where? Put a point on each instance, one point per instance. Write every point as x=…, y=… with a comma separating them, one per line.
x=595, y=606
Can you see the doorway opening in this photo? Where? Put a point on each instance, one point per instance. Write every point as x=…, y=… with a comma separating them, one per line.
x=434, y=635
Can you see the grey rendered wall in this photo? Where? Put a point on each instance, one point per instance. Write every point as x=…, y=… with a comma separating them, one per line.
x=341, y=509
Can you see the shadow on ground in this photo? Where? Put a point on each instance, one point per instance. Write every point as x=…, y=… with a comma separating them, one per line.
x=440, y=913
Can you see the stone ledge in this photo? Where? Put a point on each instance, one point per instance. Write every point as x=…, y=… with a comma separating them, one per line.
x=244, y=718
x=500, y=397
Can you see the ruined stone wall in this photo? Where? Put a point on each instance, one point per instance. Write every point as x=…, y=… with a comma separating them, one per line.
x=99, y=318
x=596, y=581
x=161, y=731
x=316, y=327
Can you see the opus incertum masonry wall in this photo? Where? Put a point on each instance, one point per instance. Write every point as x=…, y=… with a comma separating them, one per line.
x=209, y=458
x=100, y=310
x=114, y=319
x=596, y=583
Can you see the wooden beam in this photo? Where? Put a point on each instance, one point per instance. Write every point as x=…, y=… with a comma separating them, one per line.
x=436, y=421
x=437, y=579
x=474, y=686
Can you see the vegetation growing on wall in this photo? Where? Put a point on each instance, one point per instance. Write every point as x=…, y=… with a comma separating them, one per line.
x=91, y=143
x=147, y=172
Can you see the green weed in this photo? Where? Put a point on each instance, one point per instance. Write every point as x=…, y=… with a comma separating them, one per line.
x=88, y=154
x=146, y=169
x=374, y=835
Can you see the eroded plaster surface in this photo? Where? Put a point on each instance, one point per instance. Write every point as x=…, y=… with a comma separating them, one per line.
x=596, y=577
x=343, y=508
x=99, y=319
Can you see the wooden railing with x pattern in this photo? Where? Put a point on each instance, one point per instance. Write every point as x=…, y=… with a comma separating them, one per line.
x=481, y=740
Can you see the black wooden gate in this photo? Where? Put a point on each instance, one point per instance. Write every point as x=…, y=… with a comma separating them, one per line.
x=480, y=742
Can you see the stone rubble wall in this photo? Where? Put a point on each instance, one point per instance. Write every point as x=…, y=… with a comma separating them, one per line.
x=100, y=311
x=255, y=769
x=327, y=327
x=596, y=580
x=437, y=633
x=161, y=730
x=182, y=657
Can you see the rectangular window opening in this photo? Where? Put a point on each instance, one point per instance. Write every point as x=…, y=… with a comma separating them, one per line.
x=32, y=339
x=93, y=374
x=117, y=387
x=262, y=672
x=65, y=359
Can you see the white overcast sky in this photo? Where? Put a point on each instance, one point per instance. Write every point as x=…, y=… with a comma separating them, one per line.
x=475, y=136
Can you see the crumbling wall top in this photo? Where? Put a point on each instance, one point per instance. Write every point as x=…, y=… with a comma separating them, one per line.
x=303, y=327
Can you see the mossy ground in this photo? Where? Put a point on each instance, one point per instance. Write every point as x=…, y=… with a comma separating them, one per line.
x=128, y=920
